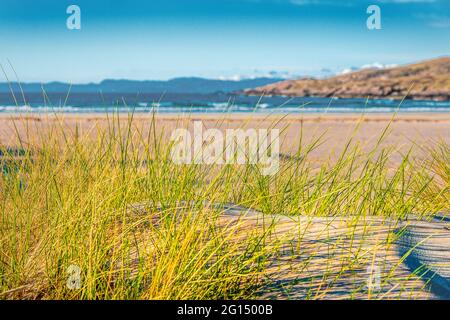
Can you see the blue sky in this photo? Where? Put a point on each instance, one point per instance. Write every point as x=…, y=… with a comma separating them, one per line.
x=161, y=39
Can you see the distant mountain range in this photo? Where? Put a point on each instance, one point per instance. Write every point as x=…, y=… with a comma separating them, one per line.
x=177, y=85
x=428, y=80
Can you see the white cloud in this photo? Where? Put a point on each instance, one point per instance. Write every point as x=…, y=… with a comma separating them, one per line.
x=374, y=66
x=349, y=70
x=298, y=74
x=377, y=65
x=260, y=74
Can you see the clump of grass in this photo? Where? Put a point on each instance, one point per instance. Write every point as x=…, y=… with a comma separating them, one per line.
x=359, y=183
x=71, y=200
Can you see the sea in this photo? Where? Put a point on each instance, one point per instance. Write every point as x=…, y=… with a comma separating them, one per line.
x=206, y=103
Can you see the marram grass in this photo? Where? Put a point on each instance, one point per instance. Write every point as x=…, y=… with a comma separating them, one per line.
x=70, y=200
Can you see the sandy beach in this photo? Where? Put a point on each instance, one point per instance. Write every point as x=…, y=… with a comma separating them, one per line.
x=330, y=225
x=213, y=157
x=405, y=130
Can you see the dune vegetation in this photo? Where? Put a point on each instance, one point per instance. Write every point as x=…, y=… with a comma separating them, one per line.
x=117, y=213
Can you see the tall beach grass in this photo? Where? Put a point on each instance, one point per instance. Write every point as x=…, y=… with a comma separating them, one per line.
x=138, y=226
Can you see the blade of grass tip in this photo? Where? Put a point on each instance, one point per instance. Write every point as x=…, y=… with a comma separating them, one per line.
x=108, y=122
x=247, y=120
x=352, y=137
x=160, y=99
x=361, y=118
x=59, y=119
x=152, y=129
x=230, y=103
x=63, y=132
x=329, y=104
x=277, y=107
x=9, y=85
x=18, y=135
x=67, y=95
x=18, y=82
x=129, y=124
x=259, y=101
x=153, y=123
x=16, y=102
x=394, y=115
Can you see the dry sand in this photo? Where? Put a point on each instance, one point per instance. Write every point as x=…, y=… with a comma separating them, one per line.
x=337, y=257
x=406, y=129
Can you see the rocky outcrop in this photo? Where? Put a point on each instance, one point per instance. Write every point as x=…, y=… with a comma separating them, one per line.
x=428, y=80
